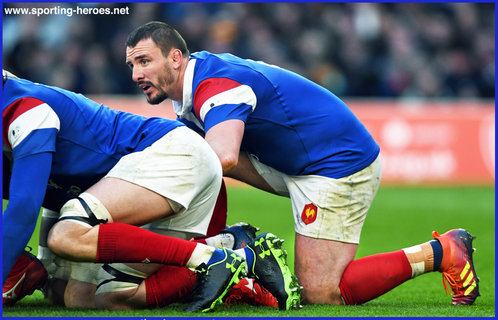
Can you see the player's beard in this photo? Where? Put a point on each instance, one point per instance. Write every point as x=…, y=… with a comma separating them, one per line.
x=164, y=81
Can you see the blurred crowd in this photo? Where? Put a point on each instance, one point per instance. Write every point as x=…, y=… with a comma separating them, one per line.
x=400, y=50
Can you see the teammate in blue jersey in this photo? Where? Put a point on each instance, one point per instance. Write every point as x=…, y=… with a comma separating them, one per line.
x=280, y=132
x=129, y=171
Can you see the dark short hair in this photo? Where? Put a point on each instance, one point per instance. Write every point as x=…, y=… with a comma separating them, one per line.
x=163, y=35
x=7, y=75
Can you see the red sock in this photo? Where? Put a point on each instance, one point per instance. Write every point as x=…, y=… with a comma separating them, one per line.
x=168, y=285
x=219, y=219
x=119, y=242
x=370, y=277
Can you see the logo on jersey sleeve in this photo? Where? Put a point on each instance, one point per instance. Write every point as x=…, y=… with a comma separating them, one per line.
x=214, y=92
x=309, y=213
x=25, y=115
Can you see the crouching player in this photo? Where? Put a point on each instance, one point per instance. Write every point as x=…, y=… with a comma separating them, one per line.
x=133, y=171
x=127, y=286
x=73, y=284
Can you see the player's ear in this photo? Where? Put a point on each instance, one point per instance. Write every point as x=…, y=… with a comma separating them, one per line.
x=176, y=57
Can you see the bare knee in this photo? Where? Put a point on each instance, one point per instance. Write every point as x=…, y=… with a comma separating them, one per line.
x=317, y=290
x=76, y=236
x=72, y=241
x=120, y=300
x=60, y=238
x=112, y=301
x=79, y=294
x=319, y=266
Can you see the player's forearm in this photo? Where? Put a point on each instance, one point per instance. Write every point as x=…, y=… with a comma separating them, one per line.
x=16, y=234
x=244, y=171
x=225, y=139
x=26, y=192
x=19, y=221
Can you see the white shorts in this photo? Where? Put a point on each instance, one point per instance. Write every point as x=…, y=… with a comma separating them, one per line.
x=327, y=208
x=183, y=168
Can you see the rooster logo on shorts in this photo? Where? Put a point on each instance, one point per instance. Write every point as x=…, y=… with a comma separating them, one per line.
x=309, y=213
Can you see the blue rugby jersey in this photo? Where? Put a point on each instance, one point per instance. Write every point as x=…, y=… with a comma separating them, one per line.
x=87, y=138
x=291, y=123
x=60, y=143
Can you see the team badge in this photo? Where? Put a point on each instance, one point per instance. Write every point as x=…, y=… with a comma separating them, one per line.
x=309, y=213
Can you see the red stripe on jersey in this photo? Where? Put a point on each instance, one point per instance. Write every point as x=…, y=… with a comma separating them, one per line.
x=14, y=110
x=209, y=88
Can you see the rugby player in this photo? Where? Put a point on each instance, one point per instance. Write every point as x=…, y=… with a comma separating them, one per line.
x=282, y=133
x=133, y=171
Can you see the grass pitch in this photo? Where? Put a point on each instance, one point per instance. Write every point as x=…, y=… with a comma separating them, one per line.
x=400, y=217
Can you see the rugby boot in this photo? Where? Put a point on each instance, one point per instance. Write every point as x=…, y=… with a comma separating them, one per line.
x=27, y=275
x=242, y=232
x=247, y=291
x=215, y=280
x=270, y=270
x=457, y=266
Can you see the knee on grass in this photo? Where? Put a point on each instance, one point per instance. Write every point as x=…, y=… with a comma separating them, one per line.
x=331, y=296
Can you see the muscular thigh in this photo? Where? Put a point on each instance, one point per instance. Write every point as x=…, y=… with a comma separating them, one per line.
x=329, y=216
x=177, y=178
x=130, y=203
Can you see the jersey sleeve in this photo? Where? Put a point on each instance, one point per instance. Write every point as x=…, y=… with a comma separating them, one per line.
x=30, y=126
x=27, y=188
x=191, y=125
x=219, y=99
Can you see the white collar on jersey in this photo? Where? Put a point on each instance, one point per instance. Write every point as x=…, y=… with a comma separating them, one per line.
x=182, y=109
